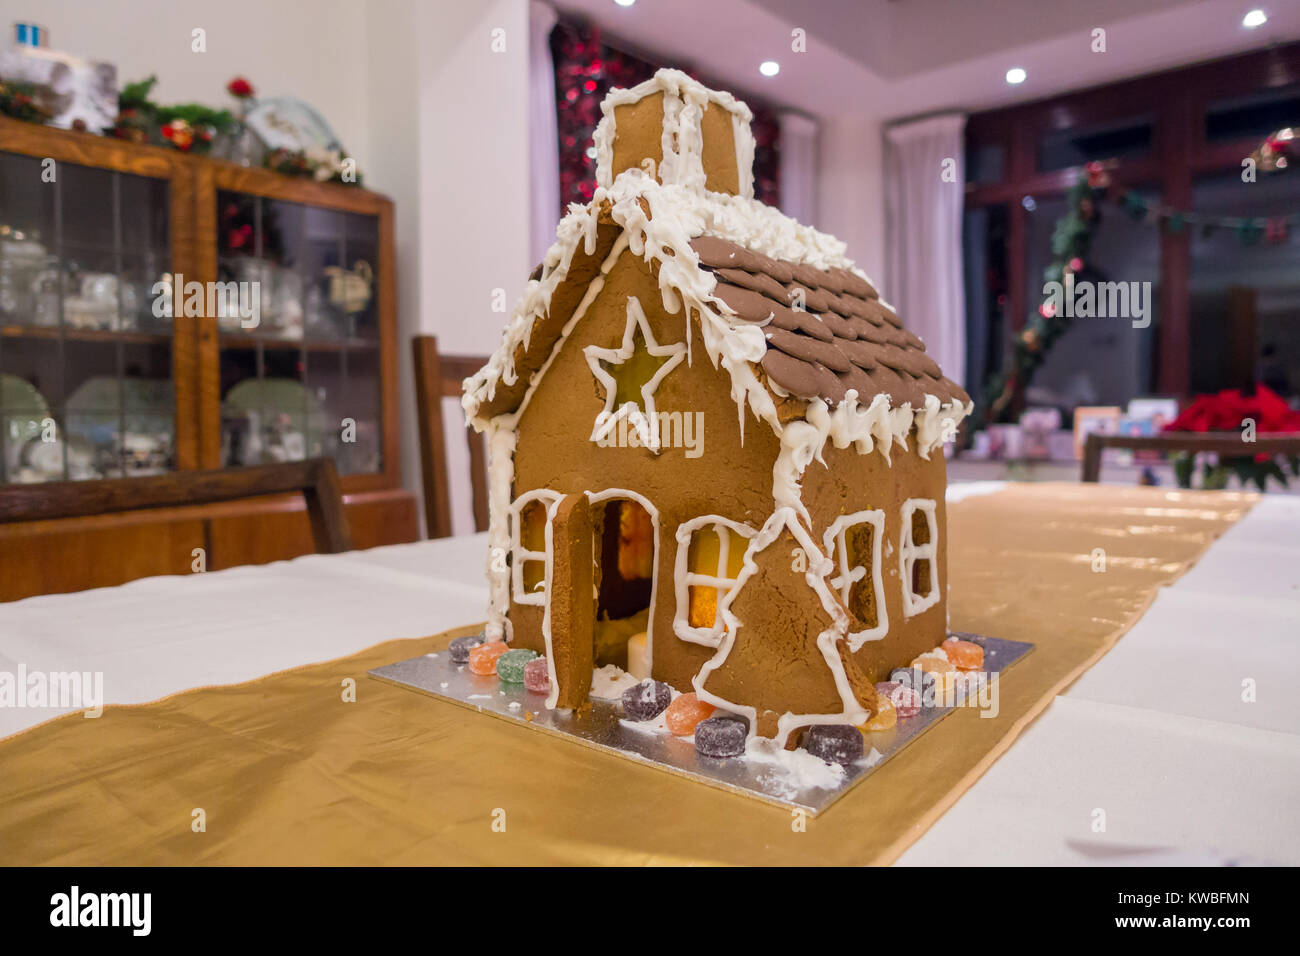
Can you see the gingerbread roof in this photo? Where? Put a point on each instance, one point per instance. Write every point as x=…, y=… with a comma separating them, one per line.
x=842, y=338
x=843, y=363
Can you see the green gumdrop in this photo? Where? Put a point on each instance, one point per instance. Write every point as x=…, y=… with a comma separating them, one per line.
x=510, y=665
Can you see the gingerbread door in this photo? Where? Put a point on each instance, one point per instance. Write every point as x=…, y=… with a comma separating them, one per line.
x=572, y=608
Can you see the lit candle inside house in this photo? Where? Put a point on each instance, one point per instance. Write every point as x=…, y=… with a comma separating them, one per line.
x=638, y=656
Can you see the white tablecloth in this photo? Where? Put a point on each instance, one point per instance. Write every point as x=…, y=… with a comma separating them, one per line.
x=1156, y=735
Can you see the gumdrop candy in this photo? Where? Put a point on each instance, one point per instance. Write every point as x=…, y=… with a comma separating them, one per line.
x=721, y=736
x=483, y=659
x=907, y=676
x=886, y=687
x=914, y=678
x=834, y=743
x=685, y=713
x=886, y=714
x=975, y=639
x=511, y=664
x=647, y=700
x=537, y=677
x=964, y=655
x=461, y=646
x=906, y=701
x=932, y=663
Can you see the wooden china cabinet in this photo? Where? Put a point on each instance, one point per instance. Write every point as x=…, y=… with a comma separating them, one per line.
x=160, y=311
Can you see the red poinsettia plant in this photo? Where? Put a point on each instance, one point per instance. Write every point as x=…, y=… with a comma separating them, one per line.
x=1233, y=410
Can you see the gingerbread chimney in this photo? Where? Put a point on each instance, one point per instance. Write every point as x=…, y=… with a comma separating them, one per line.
x=679, y=131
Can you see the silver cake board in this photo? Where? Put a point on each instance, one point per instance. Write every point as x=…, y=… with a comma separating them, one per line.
x=783, y=781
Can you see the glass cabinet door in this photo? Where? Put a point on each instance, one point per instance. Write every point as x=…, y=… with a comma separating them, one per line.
x=299, y=333
x=86, y=385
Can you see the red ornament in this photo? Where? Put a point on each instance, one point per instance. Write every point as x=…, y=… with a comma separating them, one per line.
x=1047, y=310
x=180, y=134
x=1076, y=264
x=240, y=88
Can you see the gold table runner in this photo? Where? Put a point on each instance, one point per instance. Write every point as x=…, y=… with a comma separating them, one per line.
x=286, y=772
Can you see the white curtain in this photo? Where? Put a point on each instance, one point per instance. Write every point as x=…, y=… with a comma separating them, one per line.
x=799, y=167
x=543, y=135
x=924, y=192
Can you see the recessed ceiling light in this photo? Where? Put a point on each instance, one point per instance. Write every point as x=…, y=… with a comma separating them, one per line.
x=769, y=68
x=1016, y=75
x=625, y=3
x=1256, y=18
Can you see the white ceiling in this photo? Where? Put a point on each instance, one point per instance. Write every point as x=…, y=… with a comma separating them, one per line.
x=887, y=59
x=895, y=38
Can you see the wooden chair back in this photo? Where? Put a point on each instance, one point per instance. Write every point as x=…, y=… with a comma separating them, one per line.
x=437, y=377
x=316, y=478
x=1226, y=444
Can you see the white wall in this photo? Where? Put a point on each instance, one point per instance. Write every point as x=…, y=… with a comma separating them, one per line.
x=392, y=167
x=310, y=49
x=473, y=195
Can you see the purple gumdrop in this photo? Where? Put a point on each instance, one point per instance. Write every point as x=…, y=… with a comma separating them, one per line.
x=834, y=743
x=536, y=676
x=647, y=700
x=722, y=735
x=461, y=646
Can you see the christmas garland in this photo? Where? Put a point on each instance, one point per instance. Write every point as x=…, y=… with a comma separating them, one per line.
x=1072, y=238
x=20, y=101
x=188, y=127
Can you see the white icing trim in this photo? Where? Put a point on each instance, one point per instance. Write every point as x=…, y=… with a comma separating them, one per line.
x=877, y=427
x=684, y=578
x=596, y=498
x=500, y=439
x=501, y=442
x=744, y=136
x=553, y=697
x=643, y=419
x=519, y=554
x=909, y=553
x=837, y=548
x=681, y=141
x=819, y=568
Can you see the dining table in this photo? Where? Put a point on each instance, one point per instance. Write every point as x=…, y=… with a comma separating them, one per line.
x=231, y=728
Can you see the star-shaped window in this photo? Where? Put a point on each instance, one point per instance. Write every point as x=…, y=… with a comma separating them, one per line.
x=629, y=376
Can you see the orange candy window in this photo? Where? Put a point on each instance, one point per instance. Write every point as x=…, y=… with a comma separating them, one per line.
x=702, y=558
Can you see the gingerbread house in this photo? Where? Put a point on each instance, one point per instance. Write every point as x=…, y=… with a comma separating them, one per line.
x=714, y=452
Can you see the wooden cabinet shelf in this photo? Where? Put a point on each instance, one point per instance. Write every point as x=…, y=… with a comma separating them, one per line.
x=241, y=340
x=127, y=336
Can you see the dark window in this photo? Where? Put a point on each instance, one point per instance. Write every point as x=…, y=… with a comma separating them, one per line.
x=1256, y=115
x=984, y=163
x=1062, y=149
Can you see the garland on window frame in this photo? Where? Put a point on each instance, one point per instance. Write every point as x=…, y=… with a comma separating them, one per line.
x=1072, y=238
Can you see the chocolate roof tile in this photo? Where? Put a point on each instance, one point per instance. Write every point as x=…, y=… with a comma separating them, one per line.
x=843, y=338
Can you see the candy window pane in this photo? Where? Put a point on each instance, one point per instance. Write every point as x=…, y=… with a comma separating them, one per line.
x=85, y=350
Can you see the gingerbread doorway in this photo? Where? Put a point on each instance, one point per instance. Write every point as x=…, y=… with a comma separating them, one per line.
x=625, y=548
